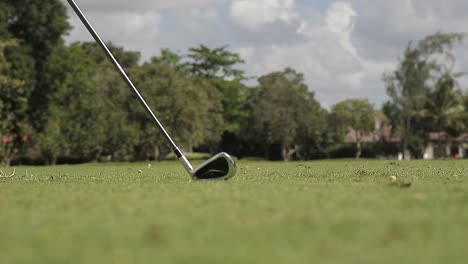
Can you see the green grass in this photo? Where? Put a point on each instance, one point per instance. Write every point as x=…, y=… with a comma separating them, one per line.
x=305, y=212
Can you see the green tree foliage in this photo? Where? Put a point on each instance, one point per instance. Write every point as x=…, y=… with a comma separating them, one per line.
x=39, y=27
x=73, y=127
x=191, y=112
x=71, y=105
x=4, y=14
x=22, y=64
x=126, y=58
x=464, y=115
x=172, y=59
x=13, y=103
x=285, y=112
x=408, y=87
x=355, y=115
x=465, y=107
x=121, y=132
x=444, y=111
x=40, y=24
x=89, y=112
x=116, y=101
x=210, y=63
x=311, y=134
x=218, y=67
x=234, y=98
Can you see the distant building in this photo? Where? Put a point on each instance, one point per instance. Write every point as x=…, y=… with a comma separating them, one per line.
x=439, y=145
x=442, y=145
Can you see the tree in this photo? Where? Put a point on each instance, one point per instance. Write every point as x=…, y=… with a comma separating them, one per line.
x=74, y=127
x=40, y=24
x=122, y=133
x=465, y=107
x=406, y=88
x=464, y=115
x=282, y=109
x=444, y=111
x=88, y=117
x=217, y=67
x=126, y=58
x=409, y=84
x=4, y=14
x=172, y=59
x=210, y=63
x=13, y=104
x=190, y=112
x=234, y=97
x=39, y=27
x=355, y=115
x=18, y=56
x=311, y=131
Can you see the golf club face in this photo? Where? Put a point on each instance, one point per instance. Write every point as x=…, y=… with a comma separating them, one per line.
x=219, y=167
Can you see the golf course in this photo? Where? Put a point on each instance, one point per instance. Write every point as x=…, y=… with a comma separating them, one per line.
x=341, y=211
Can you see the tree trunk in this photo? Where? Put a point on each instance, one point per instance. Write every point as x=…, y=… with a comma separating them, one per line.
x=405, y=138
x=159, y=155
x=267, y=155
x=358, y=144
x=285, y=152
x=7, y=161
x=358, y=150
x=156, y=152
x=443, y=152
x=9, y=153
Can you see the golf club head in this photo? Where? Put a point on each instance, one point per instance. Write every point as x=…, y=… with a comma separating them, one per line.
x=219, y=167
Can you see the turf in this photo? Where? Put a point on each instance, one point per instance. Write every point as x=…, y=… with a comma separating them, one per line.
x=305, y=212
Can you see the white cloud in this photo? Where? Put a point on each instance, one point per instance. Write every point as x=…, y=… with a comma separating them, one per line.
x=339, y=18
x=334, y=55
x=255, y=14
x=136, y=31
x=327, y=55
x=111, y=6
x=208, y=14
x=246, y=53
x=342, y=48
x=328, y=39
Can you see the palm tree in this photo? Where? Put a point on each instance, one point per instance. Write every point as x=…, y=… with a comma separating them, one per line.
x=444, y=109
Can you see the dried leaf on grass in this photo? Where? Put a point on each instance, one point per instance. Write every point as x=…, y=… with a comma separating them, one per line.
x=4, y=176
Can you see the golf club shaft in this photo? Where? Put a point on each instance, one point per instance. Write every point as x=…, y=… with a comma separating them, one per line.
x=125, y=77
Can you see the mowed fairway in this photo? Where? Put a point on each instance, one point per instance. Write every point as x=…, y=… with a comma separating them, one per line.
x=302, y=212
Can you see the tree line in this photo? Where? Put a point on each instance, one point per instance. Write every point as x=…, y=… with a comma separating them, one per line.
x=65, y=103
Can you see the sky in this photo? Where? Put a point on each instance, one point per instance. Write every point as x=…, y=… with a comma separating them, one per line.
x=341, y=47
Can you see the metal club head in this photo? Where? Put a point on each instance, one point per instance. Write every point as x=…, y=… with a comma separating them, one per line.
x=219, y=167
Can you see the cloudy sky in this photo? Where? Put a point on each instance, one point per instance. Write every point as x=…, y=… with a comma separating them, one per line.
x=342, y=47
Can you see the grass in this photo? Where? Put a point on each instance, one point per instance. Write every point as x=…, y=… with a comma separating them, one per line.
x=304, y=212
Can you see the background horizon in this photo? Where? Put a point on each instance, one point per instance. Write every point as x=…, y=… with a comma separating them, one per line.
x=342, y=47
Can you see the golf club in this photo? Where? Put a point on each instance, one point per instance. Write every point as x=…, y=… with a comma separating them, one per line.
x=221, y=166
